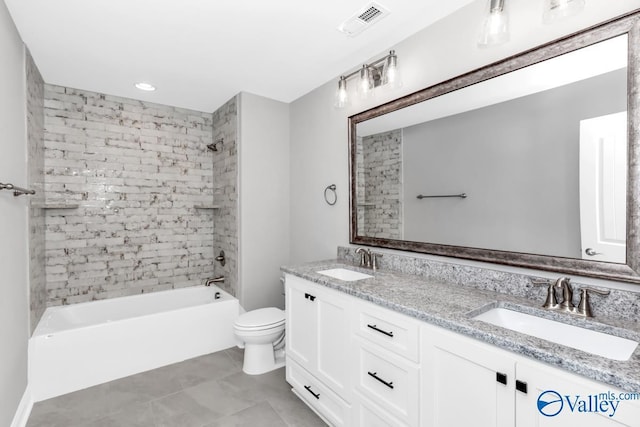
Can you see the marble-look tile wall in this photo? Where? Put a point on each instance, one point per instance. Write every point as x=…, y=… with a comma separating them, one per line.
x=381, y=177
x=35, y=138
x=225, y=192
x=619, y=304
x=136, y=170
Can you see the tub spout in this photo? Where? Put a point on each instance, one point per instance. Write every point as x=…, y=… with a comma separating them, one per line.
x=209, y=281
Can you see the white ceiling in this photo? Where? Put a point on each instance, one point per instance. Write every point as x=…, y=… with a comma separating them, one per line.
x=199, y=53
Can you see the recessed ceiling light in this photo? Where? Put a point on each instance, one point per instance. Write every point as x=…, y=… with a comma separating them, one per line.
x=145, y=86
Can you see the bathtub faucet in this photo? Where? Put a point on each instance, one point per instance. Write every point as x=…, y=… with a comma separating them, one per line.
x=219, y=279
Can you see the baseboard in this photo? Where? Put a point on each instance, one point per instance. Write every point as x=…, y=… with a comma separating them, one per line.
x=24, y=409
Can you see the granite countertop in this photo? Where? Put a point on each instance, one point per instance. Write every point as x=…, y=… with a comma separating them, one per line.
x=452, y=307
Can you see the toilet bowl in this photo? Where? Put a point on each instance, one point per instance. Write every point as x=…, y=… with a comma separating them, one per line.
x=262, y=333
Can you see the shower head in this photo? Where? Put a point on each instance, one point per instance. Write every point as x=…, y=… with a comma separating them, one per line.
x=214, y=146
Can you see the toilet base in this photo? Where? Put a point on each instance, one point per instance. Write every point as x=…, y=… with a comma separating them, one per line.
x=260, y=359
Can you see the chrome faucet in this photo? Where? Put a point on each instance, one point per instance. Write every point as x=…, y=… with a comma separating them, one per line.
x=566, y=306
x=211, y=280
x=365, y=257
x=567, y=295
x=368, y=259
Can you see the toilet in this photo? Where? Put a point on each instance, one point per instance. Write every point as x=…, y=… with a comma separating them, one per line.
x=261, y=332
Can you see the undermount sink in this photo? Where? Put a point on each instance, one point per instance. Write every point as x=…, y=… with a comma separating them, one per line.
x=344, y=274
x=598, y=343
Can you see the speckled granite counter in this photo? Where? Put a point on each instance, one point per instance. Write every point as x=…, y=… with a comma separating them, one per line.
x=452, y=307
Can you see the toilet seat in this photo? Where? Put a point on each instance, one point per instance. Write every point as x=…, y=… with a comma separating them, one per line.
x=263, y=318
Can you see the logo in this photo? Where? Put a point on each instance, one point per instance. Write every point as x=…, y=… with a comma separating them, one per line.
x=550, y=403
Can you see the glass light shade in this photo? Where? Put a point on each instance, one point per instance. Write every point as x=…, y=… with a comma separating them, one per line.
x=391, y=73
x=495, y=27
x=365, y=84
x=342, y=97
x=558, y=9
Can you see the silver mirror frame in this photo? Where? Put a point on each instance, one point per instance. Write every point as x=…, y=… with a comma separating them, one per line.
x=630, y=272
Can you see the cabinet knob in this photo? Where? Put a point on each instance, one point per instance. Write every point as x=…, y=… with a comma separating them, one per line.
x=309, y=297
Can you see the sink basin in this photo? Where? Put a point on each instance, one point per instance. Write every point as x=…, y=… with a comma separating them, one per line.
x=344, y=274
x=601, y=344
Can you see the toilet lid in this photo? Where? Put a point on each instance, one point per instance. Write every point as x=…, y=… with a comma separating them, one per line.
x=260, y=317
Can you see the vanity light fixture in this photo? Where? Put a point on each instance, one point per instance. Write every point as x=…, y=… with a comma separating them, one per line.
x=383, y=71
x=558, y=9
x=147, y=87
x=495, y=26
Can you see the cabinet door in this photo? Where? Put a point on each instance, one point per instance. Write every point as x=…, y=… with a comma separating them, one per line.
x=561, y=399
x=463, y=382
x=333, y=344
x=301, y=324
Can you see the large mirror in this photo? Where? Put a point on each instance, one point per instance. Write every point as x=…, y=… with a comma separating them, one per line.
x=531, y=161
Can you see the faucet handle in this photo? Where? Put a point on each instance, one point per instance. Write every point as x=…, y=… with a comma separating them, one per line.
x=551, y=302
x=584, y=308
x=374, y=260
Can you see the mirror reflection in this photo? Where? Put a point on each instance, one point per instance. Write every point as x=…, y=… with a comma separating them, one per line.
x=533, y=161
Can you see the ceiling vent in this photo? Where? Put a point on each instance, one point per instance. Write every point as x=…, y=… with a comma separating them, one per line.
x=366, y=17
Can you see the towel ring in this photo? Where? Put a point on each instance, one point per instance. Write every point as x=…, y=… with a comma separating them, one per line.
x=331, y=188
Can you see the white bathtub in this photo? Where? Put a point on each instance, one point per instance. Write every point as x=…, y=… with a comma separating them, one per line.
x=82, y=345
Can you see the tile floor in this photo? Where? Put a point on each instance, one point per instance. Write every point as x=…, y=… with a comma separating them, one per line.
x=208, y=391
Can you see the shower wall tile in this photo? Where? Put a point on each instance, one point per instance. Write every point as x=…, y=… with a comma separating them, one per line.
x=137, y=170
x=380, y=185
x=35, y=138
x=225, y=188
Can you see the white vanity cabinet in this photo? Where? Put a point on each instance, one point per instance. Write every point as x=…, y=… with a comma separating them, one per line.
x=467, y=382
x=386, y=367
x=580, y=393
x=318, y=339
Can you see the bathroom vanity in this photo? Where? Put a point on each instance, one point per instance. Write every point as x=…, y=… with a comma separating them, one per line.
x=396, y=349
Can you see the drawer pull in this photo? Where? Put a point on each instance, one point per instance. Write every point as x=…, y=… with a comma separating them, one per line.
x=501, y=378
x=375, y=328
x=309, y=296
x=308, y=388
x=375, y=375
x=521, y=386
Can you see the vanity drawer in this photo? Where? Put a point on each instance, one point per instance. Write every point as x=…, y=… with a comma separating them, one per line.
x=394, y=332
x=369, y=414
x=319, y=397
x=388, y=380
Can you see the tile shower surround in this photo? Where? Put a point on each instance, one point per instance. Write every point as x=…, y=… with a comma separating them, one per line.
x=380, y=209
x=35, y=138
x=137, y=170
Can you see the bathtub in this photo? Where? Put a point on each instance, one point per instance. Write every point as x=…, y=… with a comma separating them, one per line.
x=82, y=345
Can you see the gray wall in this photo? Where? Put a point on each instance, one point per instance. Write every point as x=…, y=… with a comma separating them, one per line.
x=225, y=193
x=264, y=200
x=35, y=134
x=448, y=48
x=518, y=162
x=14, y=257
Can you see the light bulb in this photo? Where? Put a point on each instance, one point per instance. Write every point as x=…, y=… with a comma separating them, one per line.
x=341, y=97
x=391, y=74
x=558, y=9
x=364, y=85
x=148, y=87
x=495, y=27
